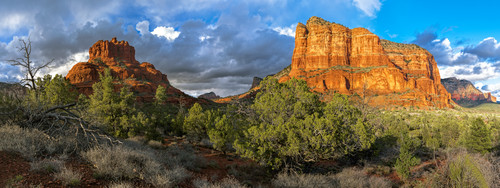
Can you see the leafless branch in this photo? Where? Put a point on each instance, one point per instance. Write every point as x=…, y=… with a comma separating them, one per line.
x=27, y=64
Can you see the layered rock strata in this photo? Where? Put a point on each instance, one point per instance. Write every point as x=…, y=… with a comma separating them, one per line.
x=464, y=92
x=333, y=58
x=119, y=57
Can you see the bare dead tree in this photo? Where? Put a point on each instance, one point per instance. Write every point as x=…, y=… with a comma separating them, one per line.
x=26, y=62
x=56, y=121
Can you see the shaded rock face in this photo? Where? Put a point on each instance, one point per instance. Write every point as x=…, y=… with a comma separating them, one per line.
x=463, y=92
x=255, y=83
x=334, y=58
x=209, y=96
x=119, y=57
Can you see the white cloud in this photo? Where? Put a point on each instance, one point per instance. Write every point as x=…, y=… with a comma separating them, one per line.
x=369, y=7
x=11, y=23
x=204, y=37
x=168, y=32
x=476, y=72
x=287, y=31
x=63, y=69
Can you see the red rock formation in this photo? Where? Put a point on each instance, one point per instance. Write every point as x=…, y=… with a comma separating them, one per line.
x=334, y=58
x=119, y=57
x=463, y=92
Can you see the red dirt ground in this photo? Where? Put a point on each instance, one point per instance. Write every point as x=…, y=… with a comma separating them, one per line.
x=12, y=165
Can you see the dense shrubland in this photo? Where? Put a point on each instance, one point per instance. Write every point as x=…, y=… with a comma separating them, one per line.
x=286, y=129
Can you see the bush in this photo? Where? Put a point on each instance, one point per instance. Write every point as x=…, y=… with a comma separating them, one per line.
x=479, y=137
x=228, y=182
x=122, y=162
x=304, y=180
x=69, y=177
x=47, y=165
x=354, y=178
x=128, y=162
x=466, y=170
x=406, y=159
x=348, y=178
x=291, y=126
x=183, y=156
x=121, y=185
x=30, y=143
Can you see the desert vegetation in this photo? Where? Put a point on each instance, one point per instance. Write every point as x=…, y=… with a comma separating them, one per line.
x=285, y=137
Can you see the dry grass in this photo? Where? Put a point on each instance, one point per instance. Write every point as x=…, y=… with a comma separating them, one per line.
x=47, y=165
x=29, y=143
x=121, y=185
x=466, y=169
x=228, y=182
x=350, y=177
x=184, y=156
x=69, y=177
x=134, y=161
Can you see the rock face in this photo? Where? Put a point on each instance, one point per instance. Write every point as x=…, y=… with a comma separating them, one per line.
x=255, y=83
x=464, y=93
x=119, y=57
x=209, y=96
x=334, y=58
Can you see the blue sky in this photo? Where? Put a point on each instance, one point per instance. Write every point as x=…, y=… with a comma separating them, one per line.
x=219, y=45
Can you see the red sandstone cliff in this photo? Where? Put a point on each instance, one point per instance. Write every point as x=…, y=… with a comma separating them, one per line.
x=119, y=57
x=464, y=93
x=334, y=58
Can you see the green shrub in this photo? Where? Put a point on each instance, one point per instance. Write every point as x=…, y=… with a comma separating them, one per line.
x=479, y=137
x=406, y=159
x=291, y=126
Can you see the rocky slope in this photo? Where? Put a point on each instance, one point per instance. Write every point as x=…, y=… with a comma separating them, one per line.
x=209, y=96
x=463, y=92
x=119, y=57
x=333, y=58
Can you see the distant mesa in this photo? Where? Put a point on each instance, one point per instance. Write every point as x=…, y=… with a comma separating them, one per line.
x=333, y=58
x=119, y=57
x=209, y=96
x=465, y=94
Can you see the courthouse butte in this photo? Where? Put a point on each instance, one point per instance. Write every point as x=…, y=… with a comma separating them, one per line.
x=119, y=57
x=333, y=58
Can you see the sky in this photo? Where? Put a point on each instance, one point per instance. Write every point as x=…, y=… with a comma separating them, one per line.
x=220, y=45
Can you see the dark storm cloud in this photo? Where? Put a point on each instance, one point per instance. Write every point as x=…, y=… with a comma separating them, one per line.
x=234, y=50
x=489, y=48
x=442, y=50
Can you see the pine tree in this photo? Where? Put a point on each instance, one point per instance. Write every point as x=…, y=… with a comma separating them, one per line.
x=161, y=95
x=406, y=159
x=479, y=137
x=115, y=111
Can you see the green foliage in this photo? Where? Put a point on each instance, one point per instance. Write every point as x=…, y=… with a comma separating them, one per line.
x=115, y=111
x=222, y=135
x=479, y=137
x=161, y=95
x=406, y=159
x=52, y=91
x=291, y=126
x=195, y=123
